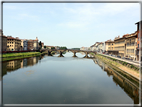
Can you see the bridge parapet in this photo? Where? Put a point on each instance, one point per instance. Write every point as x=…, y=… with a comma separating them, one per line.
x=73, y=51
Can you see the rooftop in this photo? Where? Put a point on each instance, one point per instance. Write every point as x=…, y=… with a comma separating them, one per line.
x=138, y=22
x=109, y=41
x=10, y=37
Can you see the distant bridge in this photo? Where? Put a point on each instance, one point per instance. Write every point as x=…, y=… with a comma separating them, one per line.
x=48, y=51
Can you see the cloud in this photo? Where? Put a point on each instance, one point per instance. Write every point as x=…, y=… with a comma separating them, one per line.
x=82, y=15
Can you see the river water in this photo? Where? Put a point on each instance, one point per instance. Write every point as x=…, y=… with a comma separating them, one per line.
x=65, y=80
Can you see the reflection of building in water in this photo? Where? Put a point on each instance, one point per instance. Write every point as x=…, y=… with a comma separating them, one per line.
x=13, y=65
x=131, y=89
x=35, y=60
x=108, y=70
x=16, y=64
x=128, y=86
x=30, y=62
x=4, y=68
x=101, y=64
x=42, y=57
x=24, y=62
x=95, y=61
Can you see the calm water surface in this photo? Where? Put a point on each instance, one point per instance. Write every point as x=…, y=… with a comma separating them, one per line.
x=63, y=80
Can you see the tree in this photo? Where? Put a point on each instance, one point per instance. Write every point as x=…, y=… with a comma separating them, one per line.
x=52, y=47
x=63, y=47
x=44, y=47
x=40, y=44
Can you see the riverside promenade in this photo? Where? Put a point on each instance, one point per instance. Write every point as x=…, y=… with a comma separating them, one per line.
x=136, y=63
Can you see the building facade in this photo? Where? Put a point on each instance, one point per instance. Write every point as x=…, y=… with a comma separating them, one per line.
x=13, y=44
x=131, y=46
x=35, y=44
x=106, y=45
x=30, y=45
x=103, y=47
x=42, y=44
x=25, y=45
x=110, y=47
x=120, y=45
x=139, y=41
x=4, y=41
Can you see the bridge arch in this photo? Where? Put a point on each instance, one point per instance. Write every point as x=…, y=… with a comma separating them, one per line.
x=71, y=50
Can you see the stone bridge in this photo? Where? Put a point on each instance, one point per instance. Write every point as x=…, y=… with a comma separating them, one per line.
x=48, y=51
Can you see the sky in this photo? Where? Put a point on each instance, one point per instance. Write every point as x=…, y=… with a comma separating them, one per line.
x=70, y=24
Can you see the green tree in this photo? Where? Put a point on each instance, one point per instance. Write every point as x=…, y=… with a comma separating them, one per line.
x=40, y=44
x=63, y=47
x=52, y=47
x=44, y=47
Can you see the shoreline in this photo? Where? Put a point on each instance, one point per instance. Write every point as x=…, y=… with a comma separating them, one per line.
x=11, y=56
x=119, y=66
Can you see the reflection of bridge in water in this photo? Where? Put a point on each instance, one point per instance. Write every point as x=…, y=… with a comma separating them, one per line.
x=127, y=85
x=49, y=51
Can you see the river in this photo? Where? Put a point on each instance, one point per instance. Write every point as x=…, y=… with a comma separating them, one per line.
x=65, y=80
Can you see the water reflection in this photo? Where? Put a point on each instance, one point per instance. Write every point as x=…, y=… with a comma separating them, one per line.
x=65, y=80
x=128, y=86
x=9, y=66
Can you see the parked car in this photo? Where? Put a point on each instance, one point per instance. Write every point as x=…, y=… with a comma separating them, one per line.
x=123, y=58
x=119, y=56
x=128, y=59
x=113, y=55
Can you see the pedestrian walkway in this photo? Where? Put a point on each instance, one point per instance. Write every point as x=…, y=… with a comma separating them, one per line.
x=136, y=63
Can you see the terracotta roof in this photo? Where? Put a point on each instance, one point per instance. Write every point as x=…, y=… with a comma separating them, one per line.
x=125, y=35
x=4, y=36
x=49, y=46
x=132, y=34
x=109, y=41
x=10, y=37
